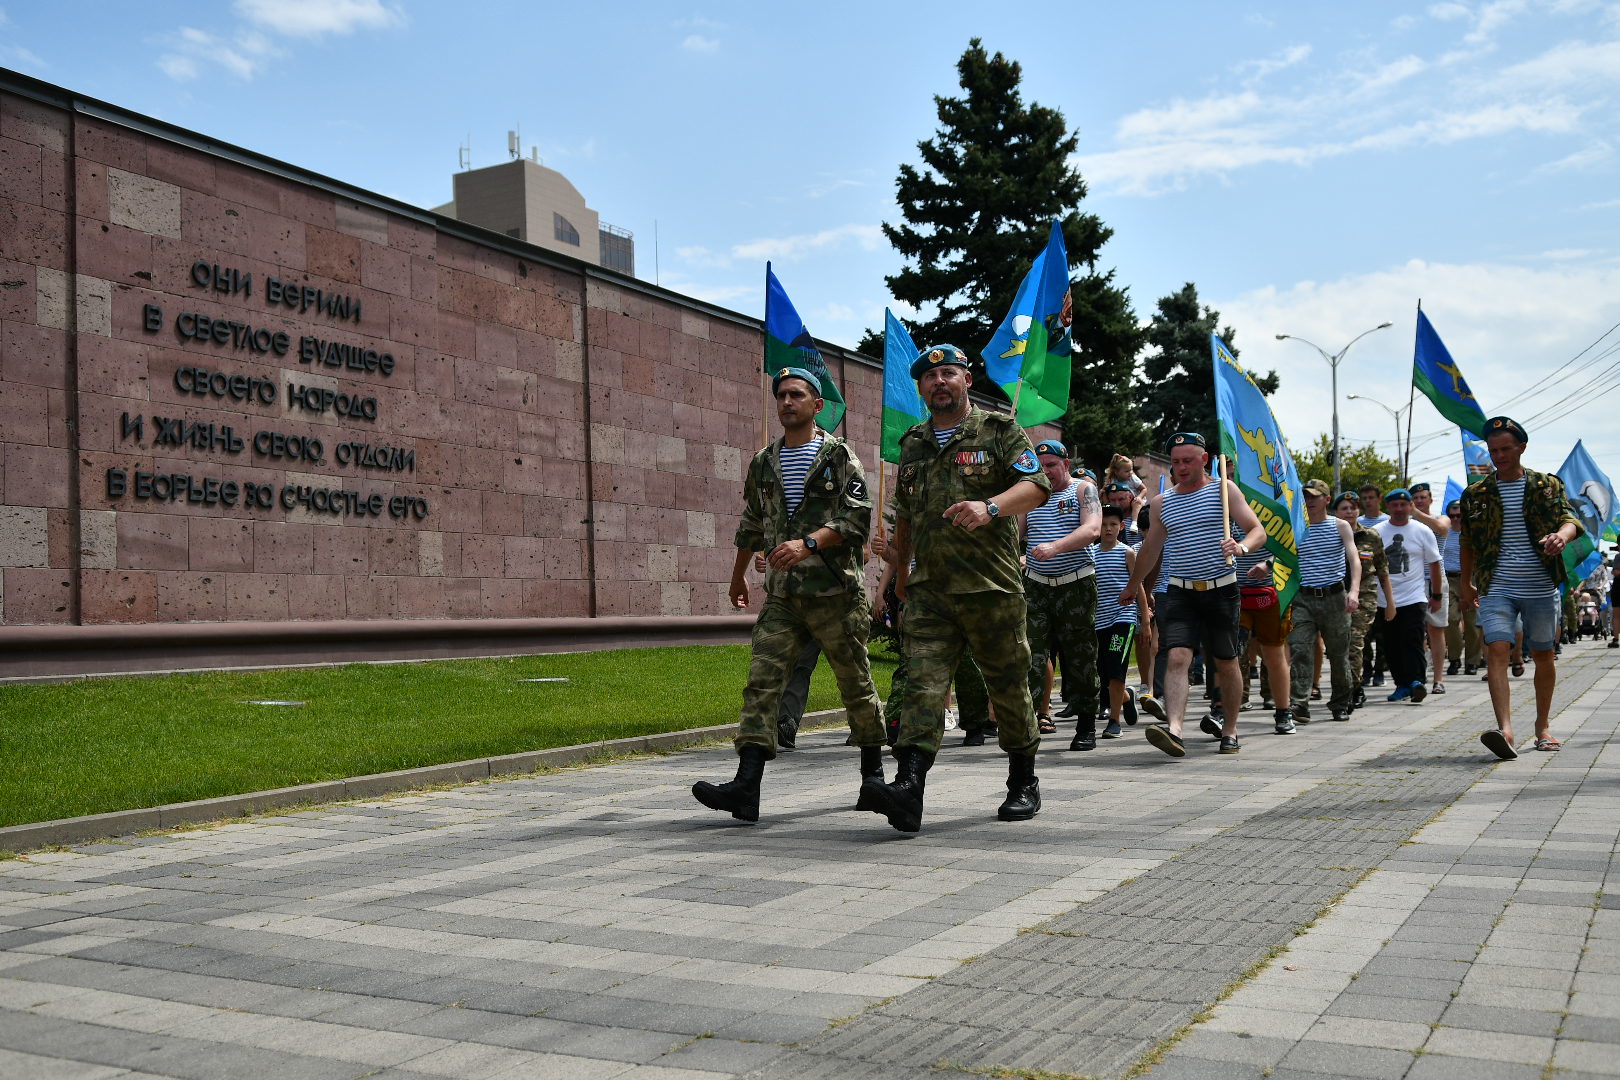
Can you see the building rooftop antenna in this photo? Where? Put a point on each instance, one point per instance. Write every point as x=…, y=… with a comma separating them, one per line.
x=514, y=145
x=464, y=154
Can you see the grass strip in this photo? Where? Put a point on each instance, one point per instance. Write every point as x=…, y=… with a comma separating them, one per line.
x=98, y=745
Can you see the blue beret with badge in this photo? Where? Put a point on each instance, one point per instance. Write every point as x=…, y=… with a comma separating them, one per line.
x=1498, y=424
x=1184, y=438
x=935, y=356
x=1053, y=447
x=795, y=373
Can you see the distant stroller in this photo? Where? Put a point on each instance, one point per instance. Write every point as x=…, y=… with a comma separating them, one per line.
x=1589, y=623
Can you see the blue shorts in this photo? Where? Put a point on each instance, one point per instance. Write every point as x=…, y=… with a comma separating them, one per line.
x=1499, y=617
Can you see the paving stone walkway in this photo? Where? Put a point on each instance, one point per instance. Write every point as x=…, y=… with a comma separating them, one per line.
x=598, y=923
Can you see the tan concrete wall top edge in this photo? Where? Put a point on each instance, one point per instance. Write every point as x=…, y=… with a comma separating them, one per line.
x=123, y=635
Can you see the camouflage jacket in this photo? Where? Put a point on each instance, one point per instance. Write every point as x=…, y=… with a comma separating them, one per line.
x=987, y=455
x=835, y=496
x=1374, y=563
x=1546, y=509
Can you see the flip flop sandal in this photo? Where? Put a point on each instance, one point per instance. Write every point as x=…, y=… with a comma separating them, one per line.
x=1046, y=725
x=1316, y=693
x=1548, y=743
x=1497, y=744
x=1518, y=668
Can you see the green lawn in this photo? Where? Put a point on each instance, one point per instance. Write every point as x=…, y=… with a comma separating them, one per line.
x=114, y=744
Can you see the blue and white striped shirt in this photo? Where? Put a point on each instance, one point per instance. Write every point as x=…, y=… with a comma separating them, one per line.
x=943, y=437
x=1053, y=520
x=1321, y=554
x=1112, y=576
x=1519, y=572
x=1192, y=522
x=1451, y=552
x=796, y=462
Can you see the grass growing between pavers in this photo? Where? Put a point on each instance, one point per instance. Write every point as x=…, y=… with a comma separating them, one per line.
x=99, y=745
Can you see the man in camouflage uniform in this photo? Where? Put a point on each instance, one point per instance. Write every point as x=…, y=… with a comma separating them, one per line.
x=1374, y=576
x=964, y=476
x=814, y=587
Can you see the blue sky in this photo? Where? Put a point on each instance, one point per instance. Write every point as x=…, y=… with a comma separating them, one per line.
x=1315, y=169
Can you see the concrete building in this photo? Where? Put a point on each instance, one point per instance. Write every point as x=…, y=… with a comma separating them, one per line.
x=527, y=201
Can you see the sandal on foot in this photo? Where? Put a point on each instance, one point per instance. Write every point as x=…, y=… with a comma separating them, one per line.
x=1046, y=725
x=1497, y=744
x=1518, y=668
x=1547, y=742
x=1165, y=740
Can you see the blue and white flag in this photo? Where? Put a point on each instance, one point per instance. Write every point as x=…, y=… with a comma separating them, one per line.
x=1592, y=496
x=1476, y=458
x=1454, y=492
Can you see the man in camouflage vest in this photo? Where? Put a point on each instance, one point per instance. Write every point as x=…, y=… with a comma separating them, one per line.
x=964, y=477
x=1374, y=576
x=806, y=505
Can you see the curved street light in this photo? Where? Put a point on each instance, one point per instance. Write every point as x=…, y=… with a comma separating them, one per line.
x=1401, y=452
x=1333, y=363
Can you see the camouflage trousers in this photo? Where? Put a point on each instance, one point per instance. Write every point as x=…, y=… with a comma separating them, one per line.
x=1061, y=624
x=938, y=627
x=839, y=624
x=1361, y=621
x=972, y=698
x=1323, y=615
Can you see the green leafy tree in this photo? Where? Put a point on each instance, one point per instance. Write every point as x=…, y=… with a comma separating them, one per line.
x=1178, y=388
x=978, y=209
x=1360, y=464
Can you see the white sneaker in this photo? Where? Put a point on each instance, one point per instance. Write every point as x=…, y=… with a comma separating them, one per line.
x=951, y=723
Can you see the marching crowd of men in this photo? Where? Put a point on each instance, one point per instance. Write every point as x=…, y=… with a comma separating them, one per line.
x=1004, y=558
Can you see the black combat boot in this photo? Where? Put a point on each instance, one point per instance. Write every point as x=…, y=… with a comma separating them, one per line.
x=1085, y=736
x=1023, y=790
x=902, y=801
x=740, y=796
x=871, y=767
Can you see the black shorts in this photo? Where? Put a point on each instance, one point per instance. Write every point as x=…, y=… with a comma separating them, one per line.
x=1114, y=651
x=1193, y=620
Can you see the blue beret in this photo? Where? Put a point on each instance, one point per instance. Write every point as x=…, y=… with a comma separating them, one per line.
x=795, y=373
x=935, y=355
x=1398, y=493
x=1051, y=446
x=1497, y=424
x=1184, y=438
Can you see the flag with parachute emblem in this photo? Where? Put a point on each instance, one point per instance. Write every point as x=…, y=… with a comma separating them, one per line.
x=788, y=344
x=1436, y=374
x=1031, y=347
x=1262, y=468
x=1592, y=497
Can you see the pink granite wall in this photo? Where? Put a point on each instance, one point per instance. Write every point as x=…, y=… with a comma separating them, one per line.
x=496, y=359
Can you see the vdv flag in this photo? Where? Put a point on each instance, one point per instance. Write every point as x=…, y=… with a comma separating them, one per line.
x=1476, y=457
x=902, y=406
x=1032, y=343
x=788, y=344
x=1592, y=496
x=1454, y=492
x=1262, y=468
x=1437, y=375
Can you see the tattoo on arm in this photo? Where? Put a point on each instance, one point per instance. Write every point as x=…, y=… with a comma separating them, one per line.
x=1090, y=506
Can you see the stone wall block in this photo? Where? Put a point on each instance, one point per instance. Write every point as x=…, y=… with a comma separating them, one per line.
x=24, y=536
x=143, y=203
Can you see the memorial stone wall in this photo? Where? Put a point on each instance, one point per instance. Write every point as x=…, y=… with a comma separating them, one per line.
x=234, y=391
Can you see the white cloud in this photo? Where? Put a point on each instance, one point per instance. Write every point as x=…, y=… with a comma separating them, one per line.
x=246, y=51
x=697, y=43
x=1447, y=12
x=834, y=312
x=827, y=187
x=1256, y=70
x=1509, y=327
x=866, y=237
x=1568, y=64
x=1390, y=74
x=1586, y=159
x=317, y=18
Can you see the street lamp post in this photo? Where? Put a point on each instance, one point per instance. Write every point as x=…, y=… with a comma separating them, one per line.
x=1401, y=452
x=1333, y=365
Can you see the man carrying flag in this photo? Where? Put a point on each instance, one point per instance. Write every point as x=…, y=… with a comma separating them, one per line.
x=1516, y=526
x=1029, y=356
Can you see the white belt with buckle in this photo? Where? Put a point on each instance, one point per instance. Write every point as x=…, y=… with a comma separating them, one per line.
x=1202, y=586
x=1062, y=579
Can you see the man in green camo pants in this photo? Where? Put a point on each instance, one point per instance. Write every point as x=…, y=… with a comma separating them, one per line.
x=1374, y=576
x=808, y=508
x=964, y=475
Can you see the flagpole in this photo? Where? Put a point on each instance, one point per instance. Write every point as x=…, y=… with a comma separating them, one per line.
x=1017, y=390
x=881, y=471
x=765, y=413
x=1226, y=511
x=1411, y=396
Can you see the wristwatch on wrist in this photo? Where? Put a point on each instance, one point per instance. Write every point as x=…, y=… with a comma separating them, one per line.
x=810, y=543
x=992, y=509
x=1243, y=547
